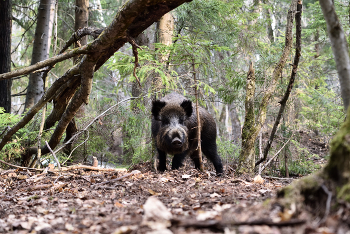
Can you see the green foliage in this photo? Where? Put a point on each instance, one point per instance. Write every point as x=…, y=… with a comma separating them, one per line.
x=301, y=163
x=186, y=51
x=324, y=100
x=228, y=151
x=136, y=127
x=15, y=147
x=300, y=167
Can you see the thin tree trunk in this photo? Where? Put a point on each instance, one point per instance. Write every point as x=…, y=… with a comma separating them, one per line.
x=267, y=13
x=340, y=49
x=81, y=21
x=250, y=129
x=338, y=167
x=41, y=48
x=5, y=53
x=81, y=18
x=249, y=133
x=284, y=100
x=199, y=146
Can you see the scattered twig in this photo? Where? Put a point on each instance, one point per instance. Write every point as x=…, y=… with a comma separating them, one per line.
x=74, y=167
x=292, y=222
x=39, y=187
x=199, y=142
x=119, y=178
x=212, y=224
x=54, y=155
x=19, y=167
x=277, y=178
x=328, y=203
x=85, y=130
x=272, y=158
x=240, y=180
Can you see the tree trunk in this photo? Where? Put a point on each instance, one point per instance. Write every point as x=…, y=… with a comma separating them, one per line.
x=249, y=133
x=41, y=49
x=5, y=53
x=340, y=49
x=165, y=28
x=250, y=128
x=81, y=21
x=81, y=18
x=338, y=167
x=267, y=13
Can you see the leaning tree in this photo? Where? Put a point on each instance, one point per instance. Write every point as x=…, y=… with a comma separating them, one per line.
x=73, y=88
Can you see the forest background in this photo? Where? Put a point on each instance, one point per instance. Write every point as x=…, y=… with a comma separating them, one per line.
x=214, y=39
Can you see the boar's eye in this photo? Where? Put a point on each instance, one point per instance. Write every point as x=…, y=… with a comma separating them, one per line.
x=165, y=121
x=181, y=120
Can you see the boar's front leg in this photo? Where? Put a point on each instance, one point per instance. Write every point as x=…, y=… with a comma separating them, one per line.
x=177, y=160
x=162, y=160
x=195, y=158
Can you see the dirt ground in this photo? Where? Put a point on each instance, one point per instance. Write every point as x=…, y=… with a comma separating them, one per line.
x=142, y=201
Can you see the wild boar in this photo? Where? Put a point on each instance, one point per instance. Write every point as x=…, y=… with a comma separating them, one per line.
x=174, y=130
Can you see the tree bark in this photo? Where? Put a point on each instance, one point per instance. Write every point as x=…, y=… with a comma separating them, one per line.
x=267, y=13
x=5, y=53
x=340, y=49
x=41, y=49
x=81, y=18
x=338, y=167
x=249, y=132
x=165, y=28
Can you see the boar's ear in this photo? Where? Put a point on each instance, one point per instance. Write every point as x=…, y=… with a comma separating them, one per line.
x=187, y=106
x=156, y=107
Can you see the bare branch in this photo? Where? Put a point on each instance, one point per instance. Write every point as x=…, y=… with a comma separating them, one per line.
x=136, y=55
x=42, y=64
x=30, y=114
x=76, y=36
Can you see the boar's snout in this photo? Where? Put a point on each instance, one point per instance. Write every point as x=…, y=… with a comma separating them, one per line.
x=176, y=142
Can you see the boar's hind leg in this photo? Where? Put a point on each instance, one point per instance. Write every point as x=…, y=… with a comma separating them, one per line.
x=209, y=148
x=177, y=160
x=162, y=160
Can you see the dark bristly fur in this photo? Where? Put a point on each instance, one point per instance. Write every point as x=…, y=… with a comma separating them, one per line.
x=174, y=127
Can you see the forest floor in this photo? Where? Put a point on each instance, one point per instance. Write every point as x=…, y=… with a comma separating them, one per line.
x=141, y=201
x=87, y=200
